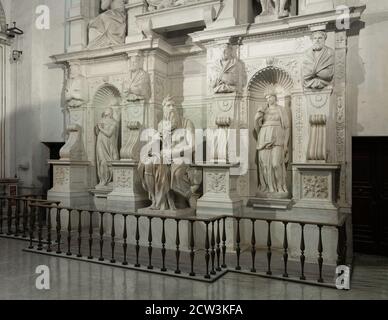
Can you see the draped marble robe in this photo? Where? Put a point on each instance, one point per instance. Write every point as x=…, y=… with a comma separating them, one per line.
x=318, y=68
x=108, y=29
x=138, y=86
x=161, y=180
x=106, y=149
x=272, y=126
x=227, y=76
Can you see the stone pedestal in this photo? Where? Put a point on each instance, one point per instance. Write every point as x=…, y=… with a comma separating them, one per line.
x=220, y=191
x=71, y=182
x=315, y=185
x=220, y=198
x=127, y=190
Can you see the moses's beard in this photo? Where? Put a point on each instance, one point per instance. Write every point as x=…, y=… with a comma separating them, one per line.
x=173, y=118
x=317, y=47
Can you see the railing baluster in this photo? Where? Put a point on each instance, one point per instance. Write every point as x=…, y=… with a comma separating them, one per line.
x=213, y=251
x=58, y=228
x=320, y=258
x=302, y=249
x=40, y=228
x=345, y=244
x=17, y=217
x=9, y=221
x=69, y=234
x=269, y=248
x=101, y=258
x=150, y=267
x=25, y=218
x=137, y=265
x=163, y=246
x=192, y=245
x=79, y=255
x=207, y=254
x=1, y=215
x=49, y=239
x=218, y=250
x=90, y=257
x=224, y=243
x=238, y=240
x=341, y=245
x=113, y=236
x=177, y=252
x=125, y=243
x=32, y=227
x=285, y=247
x=253, y=242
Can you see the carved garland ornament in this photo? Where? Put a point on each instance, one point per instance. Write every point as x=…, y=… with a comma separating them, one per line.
x=123, y=178
x=61, y=176
x=315, y=187
x=216, y=182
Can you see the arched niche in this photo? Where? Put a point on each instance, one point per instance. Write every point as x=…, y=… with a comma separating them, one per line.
x=282, y=82
x=270, y=76
x=106, y=96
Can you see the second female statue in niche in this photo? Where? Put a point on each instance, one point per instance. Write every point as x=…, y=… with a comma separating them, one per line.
x=272, y=126
x=106, y=147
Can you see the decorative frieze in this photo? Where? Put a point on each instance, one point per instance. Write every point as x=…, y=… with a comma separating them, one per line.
x=315, y=187
x=216, y=182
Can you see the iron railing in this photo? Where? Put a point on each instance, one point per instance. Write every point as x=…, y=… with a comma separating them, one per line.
x=207, y=256
x=15, y=215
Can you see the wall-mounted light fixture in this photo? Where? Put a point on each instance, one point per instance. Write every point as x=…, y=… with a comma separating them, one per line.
x=13, y=31
x=16, y=55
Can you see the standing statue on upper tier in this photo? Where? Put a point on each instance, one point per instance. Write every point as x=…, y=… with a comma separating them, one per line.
x=318, y=64
x=106, y=148
x=226, y=72
x=272, y=126
x=276, y=8
x=138, y=86
x=109, y=28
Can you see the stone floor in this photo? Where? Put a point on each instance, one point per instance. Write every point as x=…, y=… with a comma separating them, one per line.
x=79, y=281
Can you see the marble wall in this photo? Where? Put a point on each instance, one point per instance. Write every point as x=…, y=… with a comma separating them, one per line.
x=35, y=96
x=368, y=72
x=38, y=95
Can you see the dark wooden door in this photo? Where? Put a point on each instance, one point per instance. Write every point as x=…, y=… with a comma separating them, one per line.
x=370, y=195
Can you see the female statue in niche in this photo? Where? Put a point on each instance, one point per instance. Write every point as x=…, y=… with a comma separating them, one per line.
x=106, y=147
x=272, y=126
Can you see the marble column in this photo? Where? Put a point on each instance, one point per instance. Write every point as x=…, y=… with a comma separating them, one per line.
x=4, y=155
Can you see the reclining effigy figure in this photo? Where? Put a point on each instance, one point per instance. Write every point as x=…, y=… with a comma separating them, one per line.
x=163, y=4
